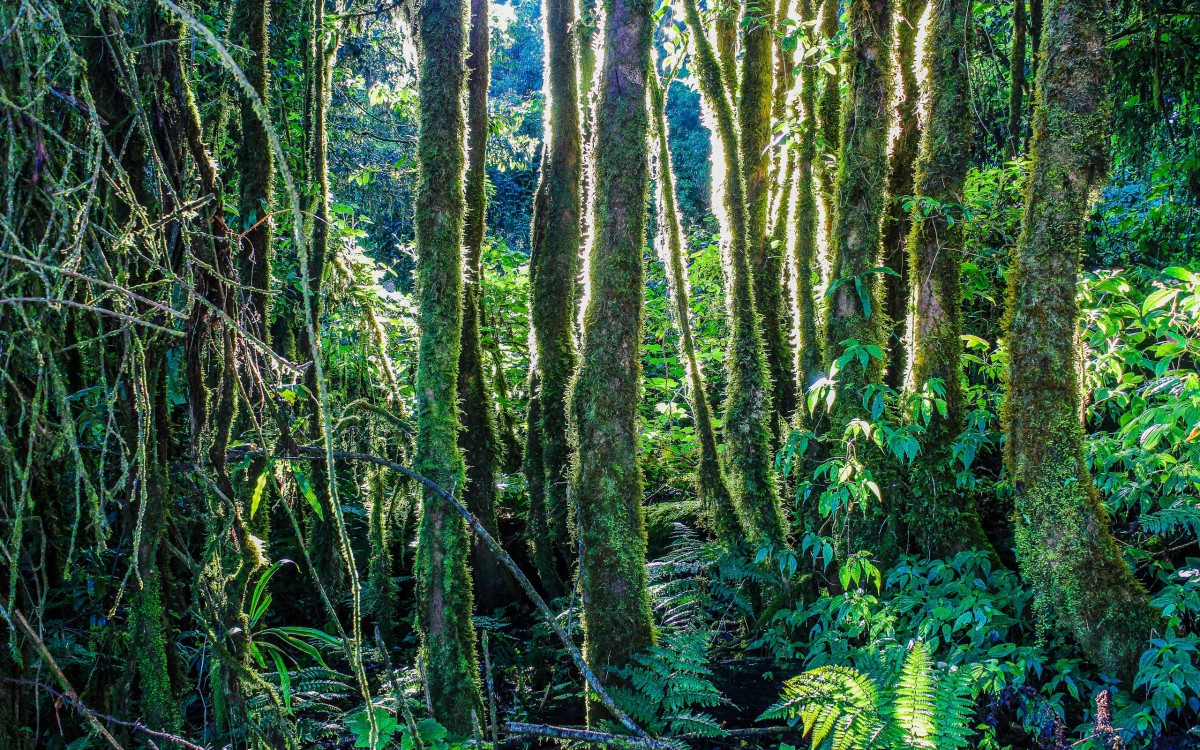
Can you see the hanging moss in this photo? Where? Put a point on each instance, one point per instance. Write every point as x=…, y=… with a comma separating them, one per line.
x=941, y=522
x=747, y=436
x=710, y=480
x=478, y=438
x=896, y=221
x=606, y=393
x=1066, y=551
x=804, y=259
x=554, y=266
x=443, y=580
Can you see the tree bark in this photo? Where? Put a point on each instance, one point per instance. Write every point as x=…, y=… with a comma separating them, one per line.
x=804, y=259
x=1016, y=80
x=1064, y=545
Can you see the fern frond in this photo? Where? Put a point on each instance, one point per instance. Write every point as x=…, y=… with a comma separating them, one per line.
x=915, y=700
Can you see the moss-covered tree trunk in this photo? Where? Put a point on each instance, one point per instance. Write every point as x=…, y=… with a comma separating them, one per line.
x=896, y=222
x=443, y=545
x=748, y=401
x=478, y=439
x=710, y=480
x=756, y=97
x=1064, y=545
x=606, y=394
x=1016, y=80
x=804, y=258
x=941, y=521
x=553, y=268
x=829, y=117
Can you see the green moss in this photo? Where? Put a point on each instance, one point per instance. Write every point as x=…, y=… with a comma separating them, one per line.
x=804, y=260
x=1066, y=551
x=554, y=267
x=829, y=116
x=606, y=393
x=443, y=580
x=747, y=436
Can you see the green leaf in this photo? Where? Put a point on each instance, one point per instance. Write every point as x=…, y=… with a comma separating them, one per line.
x=309, y=493
x=259, y=485
x=1158, y=299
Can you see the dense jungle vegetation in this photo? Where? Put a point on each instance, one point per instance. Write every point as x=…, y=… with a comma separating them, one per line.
x=447, y=374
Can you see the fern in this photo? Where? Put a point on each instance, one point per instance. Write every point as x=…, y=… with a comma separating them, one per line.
x=843, y=708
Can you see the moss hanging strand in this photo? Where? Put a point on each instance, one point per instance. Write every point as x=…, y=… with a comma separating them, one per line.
x=606, y=393
x=443, y=580
x=1063, y=542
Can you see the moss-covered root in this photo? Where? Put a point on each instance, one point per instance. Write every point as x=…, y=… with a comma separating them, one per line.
x=1063, y=541
x=710, y=480
x=606, y=393
x=443, y=580
x=747, y=436
x=896, y=220
x=478, y=438
x=554, y=266
x=940, y=521
x=804, y=258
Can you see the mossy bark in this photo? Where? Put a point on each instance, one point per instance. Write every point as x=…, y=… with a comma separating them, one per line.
x=756, y=97
x=478, y=439
x=710, y=480
x=554, y=265
x=1016, y=80
x=829, y=117
x=855, y=246
x=1067, y=553
x=804, y=258
x=897, y=221
x=445, y=599
x=940, y=522
x=748, y=401
x=606, y=394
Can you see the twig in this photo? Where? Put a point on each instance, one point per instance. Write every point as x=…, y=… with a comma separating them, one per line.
x=579, y=735
x=102, y=311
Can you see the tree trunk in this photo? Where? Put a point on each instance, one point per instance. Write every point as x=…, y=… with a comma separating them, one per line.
x=443, y=579
x=941, y=522
x=478, y=439
x=1063, y=541
x=554, y=266
x=808, y=273
x=829, y=119
x=710, y=480
x=747, y=435
x=1016, y=80
x=606, y=394
x=897, y=220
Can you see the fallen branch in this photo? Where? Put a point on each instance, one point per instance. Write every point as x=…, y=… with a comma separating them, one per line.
x=590, y=736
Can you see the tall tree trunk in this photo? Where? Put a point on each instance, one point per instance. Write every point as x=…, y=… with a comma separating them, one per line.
x=710, y=480
x=443, y=546
x=755, y=103
x=1016, y=80
x=829, y=119
x=941, y=522
x=606, y=394
x=1034, y=20
x=1063, y=541
x=854, y=313
x=804, y=258
x=748, y=402
x=897, y=220
x=478, y=439
x=553, y=268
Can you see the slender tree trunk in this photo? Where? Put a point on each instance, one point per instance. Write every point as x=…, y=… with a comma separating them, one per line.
x=1034, y=20
x=443, y=579
x=606, y=394
x=1016, y=80
x=1063, y=541
x=854, y=313
x=710, y=480
x=755, y=103
x=829, y=119
x=808, y=342
x=897, y=220
x=553, y=269
x=941, y=522
x=727, y=14
x=478, y=439
x=747, y=435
